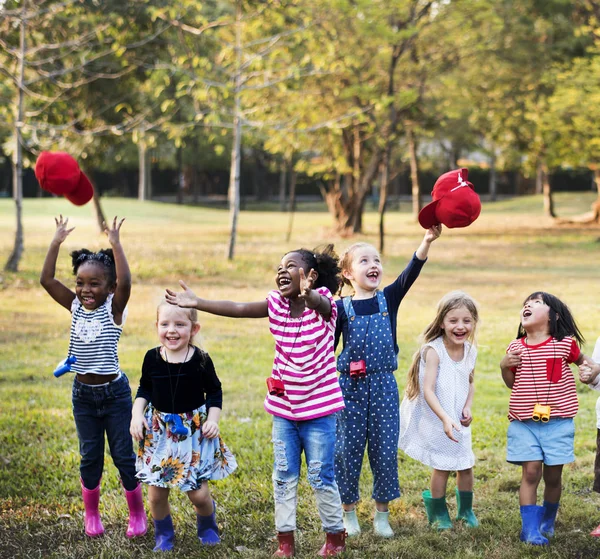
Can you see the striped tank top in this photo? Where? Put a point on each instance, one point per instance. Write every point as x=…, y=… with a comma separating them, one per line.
x=304, y=361
x=94, y=338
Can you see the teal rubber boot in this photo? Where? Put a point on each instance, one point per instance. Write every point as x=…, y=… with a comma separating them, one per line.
x=464, y=501
x=381, y=524
x=437, y=511
x=351, y=523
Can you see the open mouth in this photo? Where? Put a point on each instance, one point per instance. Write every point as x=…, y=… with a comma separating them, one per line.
x=373, y=275
x=284, y=282
x=527, y=313
x=87, y=300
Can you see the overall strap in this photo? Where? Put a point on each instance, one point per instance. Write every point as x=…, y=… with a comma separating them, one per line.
x=348, y=307
x=382, y=303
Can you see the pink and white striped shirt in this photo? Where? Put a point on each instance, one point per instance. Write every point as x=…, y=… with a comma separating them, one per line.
x=304, y=361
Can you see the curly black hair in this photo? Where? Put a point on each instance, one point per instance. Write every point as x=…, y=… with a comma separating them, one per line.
x=562, y=323
x=104, y=257
x=324, y=260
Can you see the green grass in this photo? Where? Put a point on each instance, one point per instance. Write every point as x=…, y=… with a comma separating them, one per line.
x=509, y=252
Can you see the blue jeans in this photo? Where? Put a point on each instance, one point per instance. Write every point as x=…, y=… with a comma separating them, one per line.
x=98, y=410
x=316, y=437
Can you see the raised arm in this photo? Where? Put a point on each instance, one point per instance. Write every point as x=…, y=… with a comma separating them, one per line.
x=123, y=289
x=430, y=235
x=187, y=299
x=57, y=290
x=432, y=362
x=313, y=299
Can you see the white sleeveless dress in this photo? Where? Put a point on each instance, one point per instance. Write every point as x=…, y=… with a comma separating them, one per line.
x=422, y=434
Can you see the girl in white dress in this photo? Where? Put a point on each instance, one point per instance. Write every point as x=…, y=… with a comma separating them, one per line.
x=435, y=414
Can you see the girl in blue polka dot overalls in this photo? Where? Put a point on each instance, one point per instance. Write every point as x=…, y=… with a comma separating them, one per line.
x=367, y=323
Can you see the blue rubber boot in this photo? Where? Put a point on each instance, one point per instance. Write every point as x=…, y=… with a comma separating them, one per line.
x=208, y=531
x=164, y=535
x=548, y=519
x=531, y=516
x=437, y=511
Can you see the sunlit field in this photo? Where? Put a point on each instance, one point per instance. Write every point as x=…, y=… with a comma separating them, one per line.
x=509, y=252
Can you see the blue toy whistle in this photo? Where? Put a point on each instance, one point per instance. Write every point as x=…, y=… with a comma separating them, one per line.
x=177, y=426
x=64, y=366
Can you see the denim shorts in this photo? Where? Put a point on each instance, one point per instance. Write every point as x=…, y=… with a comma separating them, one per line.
x=552, y=442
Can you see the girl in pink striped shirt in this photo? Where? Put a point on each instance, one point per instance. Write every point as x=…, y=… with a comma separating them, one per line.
x=304, y=392
x=542, y=405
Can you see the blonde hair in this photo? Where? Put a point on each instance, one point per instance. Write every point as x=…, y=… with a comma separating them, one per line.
x=449, y=302
x=191, y=313
x=346, y=260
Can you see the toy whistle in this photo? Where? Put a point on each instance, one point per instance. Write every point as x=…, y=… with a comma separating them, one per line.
x=64, y=366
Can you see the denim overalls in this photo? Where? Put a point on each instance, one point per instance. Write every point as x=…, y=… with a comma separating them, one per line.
x=372, y=406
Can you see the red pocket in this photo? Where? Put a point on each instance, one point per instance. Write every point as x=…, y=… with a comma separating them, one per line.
x=554, y=369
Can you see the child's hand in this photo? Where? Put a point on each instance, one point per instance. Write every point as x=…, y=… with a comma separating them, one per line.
x=61, y=232
x=512, y=359
x=449, y=425
x=306, y=283
x=432, y=233
x=137, y=426
x=466, y=418
x=113, y=232
x=586, y=373
x=210, y=429
x=187, y=299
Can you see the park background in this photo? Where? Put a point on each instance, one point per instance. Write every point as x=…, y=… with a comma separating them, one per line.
x=229, y=132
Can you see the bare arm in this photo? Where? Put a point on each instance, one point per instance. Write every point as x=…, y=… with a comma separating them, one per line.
x=187, y=299
x=588, y=369
x=432, y=362
x=57, y=290
x=210, y=428
x=138, y=421
x=430, y=235
x=123, y=289
x=467, y=417
x=313, y=299
x=509, y=362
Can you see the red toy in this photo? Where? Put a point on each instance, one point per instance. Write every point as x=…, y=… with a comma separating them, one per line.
x=59, y=173
x=455, y=202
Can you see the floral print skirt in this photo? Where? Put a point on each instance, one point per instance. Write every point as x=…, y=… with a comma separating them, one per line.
x=168, y=460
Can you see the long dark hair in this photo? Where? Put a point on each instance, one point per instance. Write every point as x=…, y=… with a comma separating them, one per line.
x=324, y=261
x=561, y=324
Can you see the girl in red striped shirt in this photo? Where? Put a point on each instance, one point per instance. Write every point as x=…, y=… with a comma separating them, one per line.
x=542, y=405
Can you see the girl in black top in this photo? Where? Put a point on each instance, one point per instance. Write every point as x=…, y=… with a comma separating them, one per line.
x=175, y=418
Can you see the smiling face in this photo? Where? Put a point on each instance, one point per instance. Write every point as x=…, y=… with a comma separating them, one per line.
x=92, y=285
x=458, y=325
x=175, y=328
x=535, y=314
x=288, y=274
x=366, y=272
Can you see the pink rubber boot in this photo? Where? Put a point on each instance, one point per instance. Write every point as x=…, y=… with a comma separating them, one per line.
x=138, y=523
x=91, y=516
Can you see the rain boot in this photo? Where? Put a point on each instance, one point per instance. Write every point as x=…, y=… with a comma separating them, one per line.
x=351, y=523
x=548, y=519
x=334, y=544
x=138, y=524
x=208, y=531
x=286, y=544
x=381, y=524
x=164, y=535
x=595, y=533
x=531, y=516
x=464, y=501
x=437, y=511
x=91, y=516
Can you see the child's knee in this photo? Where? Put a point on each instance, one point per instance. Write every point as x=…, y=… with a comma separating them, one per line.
x=532, y=472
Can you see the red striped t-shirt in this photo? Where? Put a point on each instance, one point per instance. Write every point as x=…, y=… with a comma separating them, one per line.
x=544, y=377
x=304, y=361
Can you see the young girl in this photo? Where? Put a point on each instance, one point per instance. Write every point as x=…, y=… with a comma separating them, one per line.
x=436, y=410
x=367, y=322
x=304, y=393
x=101, y=393
x=542, y=405
x=176, y=419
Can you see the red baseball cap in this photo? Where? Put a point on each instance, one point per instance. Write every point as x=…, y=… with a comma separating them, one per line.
x=455, y=202
x=59, y=173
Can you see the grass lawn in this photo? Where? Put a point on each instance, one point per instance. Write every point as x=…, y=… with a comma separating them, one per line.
x=509, y=252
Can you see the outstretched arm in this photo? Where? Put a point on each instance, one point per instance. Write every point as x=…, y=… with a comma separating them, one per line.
x=57, y=290
x=430, y=235
x=123, y=289
x=431, y=373
x=187, y=299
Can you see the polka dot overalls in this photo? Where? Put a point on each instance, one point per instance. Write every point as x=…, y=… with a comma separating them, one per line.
x=372, y=406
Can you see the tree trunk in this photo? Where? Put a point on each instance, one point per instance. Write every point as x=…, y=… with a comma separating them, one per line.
x=12, y=264
x=547, y=192
x=383, y=192
x=100, y=219
x=234, y=174
x=493, y=185
x=282, y=185
x=292, y=203
x=539, y=177
x=414, y=172
x=143, y=169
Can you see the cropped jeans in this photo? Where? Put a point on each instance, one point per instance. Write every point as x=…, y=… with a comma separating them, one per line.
x=98, y=410
x=316, y=437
